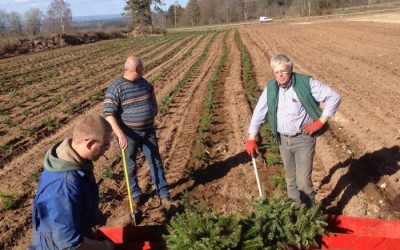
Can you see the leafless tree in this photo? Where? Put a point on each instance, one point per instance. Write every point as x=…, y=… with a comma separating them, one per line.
x=15, y=23
x=174, y=15
x=3, y=23
x=33, y=21
x=59, y=16
x=208, y=11
x=192, y=12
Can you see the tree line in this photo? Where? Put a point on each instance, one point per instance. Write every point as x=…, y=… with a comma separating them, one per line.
x=147, y=13
x=203, y=12
x=57, y=19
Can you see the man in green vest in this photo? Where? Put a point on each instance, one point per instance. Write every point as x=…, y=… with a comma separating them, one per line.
x=291, y=101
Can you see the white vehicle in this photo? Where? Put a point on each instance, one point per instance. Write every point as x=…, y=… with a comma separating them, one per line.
x=265, y=19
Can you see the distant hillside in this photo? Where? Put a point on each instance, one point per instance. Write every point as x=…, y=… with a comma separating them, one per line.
x=100, y=22
x=97, y=18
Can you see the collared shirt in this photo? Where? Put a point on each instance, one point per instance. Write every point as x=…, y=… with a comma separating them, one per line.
x=291, y=115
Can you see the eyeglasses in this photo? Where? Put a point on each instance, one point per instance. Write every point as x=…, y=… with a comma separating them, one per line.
x=283, y=72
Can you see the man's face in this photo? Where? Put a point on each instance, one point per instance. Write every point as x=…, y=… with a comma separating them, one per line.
x=282, y=74
x=140, y=70
x=100, y=147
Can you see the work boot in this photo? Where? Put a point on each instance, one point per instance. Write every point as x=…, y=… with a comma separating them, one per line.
x=136, y=201
x=168, y=202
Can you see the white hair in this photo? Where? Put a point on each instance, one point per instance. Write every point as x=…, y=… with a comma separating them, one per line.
x=281, y=59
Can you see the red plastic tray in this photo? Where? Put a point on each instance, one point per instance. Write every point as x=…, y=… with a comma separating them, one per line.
x=133, y=238
x=362, y=233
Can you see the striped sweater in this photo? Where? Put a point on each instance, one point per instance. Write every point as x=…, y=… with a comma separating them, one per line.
x=130, y=102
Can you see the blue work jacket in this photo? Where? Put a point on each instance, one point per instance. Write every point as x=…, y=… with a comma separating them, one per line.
x=66, y=207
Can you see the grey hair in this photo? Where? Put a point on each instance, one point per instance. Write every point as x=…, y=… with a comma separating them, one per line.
x=131, y=65
x=281, y=59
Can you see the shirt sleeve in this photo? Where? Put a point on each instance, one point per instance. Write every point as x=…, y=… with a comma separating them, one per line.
x=111, y=101
x=259, y=114
x=323, y=93
x=64, y=215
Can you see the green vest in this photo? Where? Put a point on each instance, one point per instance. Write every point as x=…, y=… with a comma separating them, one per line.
x=301, y=86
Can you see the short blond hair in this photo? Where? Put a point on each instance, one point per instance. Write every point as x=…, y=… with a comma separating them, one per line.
x=92, y=126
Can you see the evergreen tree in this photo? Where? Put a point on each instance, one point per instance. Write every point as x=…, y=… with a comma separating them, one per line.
x=140, y=11
x=200, y=228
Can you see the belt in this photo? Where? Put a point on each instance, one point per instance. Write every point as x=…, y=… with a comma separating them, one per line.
x=290, y=135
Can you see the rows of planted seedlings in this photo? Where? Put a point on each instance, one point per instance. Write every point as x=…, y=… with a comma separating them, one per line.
x=76, y=107
x=166, y=100
x=166, y=56
x=272, y=223
x=171, y=65
x=269, y=143
x=95, y=70
x=35, y=73
x=166, y=46
x=83, y=66
x=12, y=201
x=42, y=62
x=54, y=81
x=79, y=62
x=34, y=129
x=209, y=100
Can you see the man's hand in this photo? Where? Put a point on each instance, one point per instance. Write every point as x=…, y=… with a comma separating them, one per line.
x=123, y=143
x=312, y=127
x=251, y=147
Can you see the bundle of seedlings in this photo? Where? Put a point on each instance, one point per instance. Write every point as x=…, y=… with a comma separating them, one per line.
x=199, y=227
x=275, y=223
x=278, y=223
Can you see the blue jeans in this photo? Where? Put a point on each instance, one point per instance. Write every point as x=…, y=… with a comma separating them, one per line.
x=297, y=154
x=146, y=140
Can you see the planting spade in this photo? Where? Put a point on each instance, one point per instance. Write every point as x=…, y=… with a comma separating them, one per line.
x=256, y=172
x=133, y=210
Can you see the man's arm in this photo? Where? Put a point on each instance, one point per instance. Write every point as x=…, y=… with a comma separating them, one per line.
x=123, y=143
x=330, y=98
x=257, y=120
x=155, y=104
x=259, y=114
x=111, y=107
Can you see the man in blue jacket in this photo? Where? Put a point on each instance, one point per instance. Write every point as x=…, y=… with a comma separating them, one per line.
x=66, y=206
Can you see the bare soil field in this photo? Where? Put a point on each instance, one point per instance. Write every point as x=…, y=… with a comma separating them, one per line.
x=357, y=160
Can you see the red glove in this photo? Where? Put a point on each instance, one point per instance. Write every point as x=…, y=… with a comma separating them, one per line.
x=313, y=127
x=251, y=147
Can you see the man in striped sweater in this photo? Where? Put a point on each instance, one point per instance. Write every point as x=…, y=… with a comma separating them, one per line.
x=130, y=106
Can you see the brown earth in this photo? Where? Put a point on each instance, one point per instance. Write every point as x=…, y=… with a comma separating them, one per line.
x=357, y=161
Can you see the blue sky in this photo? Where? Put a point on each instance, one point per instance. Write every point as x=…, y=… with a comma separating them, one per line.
x=78, y=7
